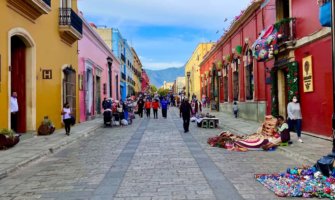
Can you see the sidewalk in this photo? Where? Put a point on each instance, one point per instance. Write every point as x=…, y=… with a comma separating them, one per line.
x=33, y=148
x=308, y=152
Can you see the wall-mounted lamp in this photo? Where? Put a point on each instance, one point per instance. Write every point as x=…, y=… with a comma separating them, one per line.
x=233, y=50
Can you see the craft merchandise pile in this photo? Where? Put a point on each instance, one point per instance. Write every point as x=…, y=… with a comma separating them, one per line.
x=255, y=141
x=305, y=182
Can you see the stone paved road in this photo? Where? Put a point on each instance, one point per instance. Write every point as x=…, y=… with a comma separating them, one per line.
x=151, y=159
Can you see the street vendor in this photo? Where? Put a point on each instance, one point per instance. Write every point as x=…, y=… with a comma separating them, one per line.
x=283, y=131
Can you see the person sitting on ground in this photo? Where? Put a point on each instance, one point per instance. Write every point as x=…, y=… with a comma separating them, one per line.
x=284, y=134
x=46, y=127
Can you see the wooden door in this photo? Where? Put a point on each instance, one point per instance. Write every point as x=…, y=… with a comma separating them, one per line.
x=18, y=80
x=98, y=94
x=282, y=97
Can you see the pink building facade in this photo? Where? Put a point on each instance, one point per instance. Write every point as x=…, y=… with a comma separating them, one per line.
x=98, y=73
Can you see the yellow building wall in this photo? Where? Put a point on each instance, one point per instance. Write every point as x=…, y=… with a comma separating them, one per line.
x=106, y=35
x=51, y=53
x=193, y=66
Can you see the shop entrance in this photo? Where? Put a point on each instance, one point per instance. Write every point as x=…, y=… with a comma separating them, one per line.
x=98, y=94
x=282, y=93
x=18, y=83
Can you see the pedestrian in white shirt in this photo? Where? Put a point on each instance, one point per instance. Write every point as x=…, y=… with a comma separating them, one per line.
x=294, y=116
x=14, y=109
x=66, y=112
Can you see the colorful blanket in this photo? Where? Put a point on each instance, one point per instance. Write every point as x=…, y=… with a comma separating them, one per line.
x=253, y=141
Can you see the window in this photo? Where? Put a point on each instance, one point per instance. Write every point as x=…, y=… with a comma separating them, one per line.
x=225, y=82
x=249, y=76
x=235, y=79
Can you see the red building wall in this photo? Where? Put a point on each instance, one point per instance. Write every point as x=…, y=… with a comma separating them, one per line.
x=307, y=16
x=317, y=106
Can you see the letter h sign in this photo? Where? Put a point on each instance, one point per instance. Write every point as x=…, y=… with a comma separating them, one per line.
x=47, y=74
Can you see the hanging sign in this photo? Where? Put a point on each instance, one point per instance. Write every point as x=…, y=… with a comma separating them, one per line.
x=307, y=73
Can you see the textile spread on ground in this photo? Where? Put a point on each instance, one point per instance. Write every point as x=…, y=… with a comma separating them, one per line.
x=253, y=141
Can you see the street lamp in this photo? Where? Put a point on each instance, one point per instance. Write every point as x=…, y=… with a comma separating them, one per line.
x=188, y=84
x=333, y=64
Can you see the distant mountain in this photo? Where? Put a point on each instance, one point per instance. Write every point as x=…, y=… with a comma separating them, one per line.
x=157, y=77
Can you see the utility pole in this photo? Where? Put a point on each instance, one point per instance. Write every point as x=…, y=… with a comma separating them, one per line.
x=333, y=67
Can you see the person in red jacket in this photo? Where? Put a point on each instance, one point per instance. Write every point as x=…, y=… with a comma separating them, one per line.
x=148, y=107
x=155, y=106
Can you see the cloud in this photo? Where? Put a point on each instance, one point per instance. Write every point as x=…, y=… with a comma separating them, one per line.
x=209, y=14
x=164, y=33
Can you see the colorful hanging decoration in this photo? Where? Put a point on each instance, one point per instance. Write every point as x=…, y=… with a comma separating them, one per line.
x=266, y=45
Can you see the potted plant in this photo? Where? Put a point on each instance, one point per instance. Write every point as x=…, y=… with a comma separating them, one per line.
x=8, y=138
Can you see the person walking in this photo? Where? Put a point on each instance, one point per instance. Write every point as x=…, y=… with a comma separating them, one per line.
x=155, y=106
x=185, y=112
x=294, y=116
x=235, y=109
x=148, y=107
x=140, y=105
x=14, y=109
x=66, y=112
x=164, y=105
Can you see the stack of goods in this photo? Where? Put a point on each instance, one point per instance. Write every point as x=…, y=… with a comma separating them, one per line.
x=305, y=182
x=253, y=141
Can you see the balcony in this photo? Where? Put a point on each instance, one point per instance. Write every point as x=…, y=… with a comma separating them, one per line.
x=70, y=25
x=286, y=33
x=31, y=9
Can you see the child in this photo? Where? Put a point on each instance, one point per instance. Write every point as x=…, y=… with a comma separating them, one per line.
x=155, y=106
x=235, y=109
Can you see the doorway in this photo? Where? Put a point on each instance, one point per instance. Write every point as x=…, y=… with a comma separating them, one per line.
x=18, y=82
x=89, y=93
x=282, y=93
x=98, y=94
x=69, y=88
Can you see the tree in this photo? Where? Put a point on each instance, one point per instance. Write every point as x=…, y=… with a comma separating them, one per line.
x=153, y=89
x=163, y=92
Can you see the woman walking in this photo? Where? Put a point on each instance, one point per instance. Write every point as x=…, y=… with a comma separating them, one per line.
x=148, y=107
x=294, y=116
x=155, y=106
x=66, y=112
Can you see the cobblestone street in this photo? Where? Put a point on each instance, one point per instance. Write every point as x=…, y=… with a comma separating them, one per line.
x=151, y=159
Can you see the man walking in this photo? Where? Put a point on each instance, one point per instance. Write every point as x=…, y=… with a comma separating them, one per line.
x=14, y=109
x=185, y=112
x=140, y=104
x=164, y=105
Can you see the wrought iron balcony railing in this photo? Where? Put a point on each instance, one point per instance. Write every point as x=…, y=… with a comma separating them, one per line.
x=123, y=76
x=286, y=31
x=67, y=17
x=48, y=2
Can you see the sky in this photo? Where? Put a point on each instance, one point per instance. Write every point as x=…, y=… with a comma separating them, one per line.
x=164, y=33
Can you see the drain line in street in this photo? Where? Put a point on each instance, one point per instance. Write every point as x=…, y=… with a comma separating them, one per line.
x=220, y=185
x=113, y=179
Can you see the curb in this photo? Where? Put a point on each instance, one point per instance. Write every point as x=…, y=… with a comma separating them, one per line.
x=85, y=133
